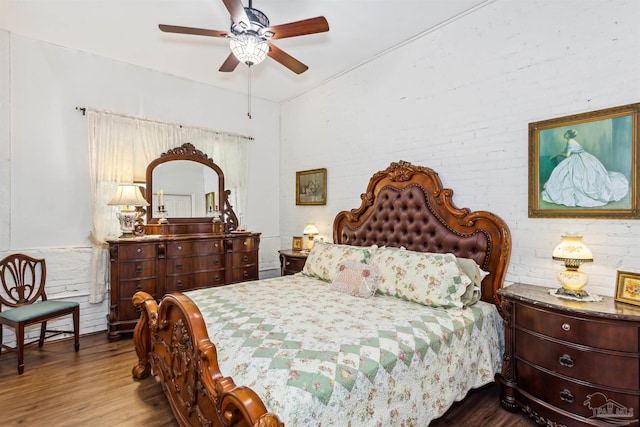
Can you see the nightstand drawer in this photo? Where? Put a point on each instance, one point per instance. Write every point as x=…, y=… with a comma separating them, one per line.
x=621, y=336
x=580, y=363
x=579, y=399
x=293, y=265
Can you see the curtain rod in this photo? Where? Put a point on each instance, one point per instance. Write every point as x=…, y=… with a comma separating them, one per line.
x=84, y=110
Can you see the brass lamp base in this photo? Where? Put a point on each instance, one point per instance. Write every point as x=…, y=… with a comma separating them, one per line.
x=571, y=293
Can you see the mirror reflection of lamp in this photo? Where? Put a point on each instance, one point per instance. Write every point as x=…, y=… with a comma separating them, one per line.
x=310, y=231
x=128, y=196
x=573, y=252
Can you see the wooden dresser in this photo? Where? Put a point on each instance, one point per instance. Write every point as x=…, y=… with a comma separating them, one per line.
x=179, y=262
x=570, y=363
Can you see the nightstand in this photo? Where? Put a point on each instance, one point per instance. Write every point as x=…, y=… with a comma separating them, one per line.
x=569, y=362
x=292, y=261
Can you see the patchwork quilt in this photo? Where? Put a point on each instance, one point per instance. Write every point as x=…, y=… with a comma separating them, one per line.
x=319, y=357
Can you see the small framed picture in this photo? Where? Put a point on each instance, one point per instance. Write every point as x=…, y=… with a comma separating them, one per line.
x=311, y=187
x=628, y=288
x=296, y=244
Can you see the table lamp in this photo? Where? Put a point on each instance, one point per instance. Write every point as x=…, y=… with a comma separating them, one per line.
x=573, y=252
x=128, y=196
x=310, y=231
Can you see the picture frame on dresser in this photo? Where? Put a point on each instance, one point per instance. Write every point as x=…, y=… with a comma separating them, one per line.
x=311, y=187
x=628, y=288
x=296, y=243
x=601, y=147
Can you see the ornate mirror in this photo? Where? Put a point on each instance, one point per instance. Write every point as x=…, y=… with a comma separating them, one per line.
x=185, y=186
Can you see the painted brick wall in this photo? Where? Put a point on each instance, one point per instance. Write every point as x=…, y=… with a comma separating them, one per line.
x=458, y=100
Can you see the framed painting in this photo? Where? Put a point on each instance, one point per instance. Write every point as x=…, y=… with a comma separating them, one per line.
x=585, y=165
x=311, y=187
x=296, y=243
x=628, y=288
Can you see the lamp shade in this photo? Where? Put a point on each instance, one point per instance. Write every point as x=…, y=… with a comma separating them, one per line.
x=310, y=229
x=249, y=48
x=572, y=248
x=128, y=195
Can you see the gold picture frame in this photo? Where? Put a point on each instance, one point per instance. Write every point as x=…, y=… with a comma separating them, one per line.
x=628, y=288
x=586, y=165
x=311, y=187
x=297, y=243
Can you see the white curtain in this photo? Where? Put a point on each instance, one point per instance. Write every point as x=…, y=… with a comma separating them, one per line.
x=121, y=147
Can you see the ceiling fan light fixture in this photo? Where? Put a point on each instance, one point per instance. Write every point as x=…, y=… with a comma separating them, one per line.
x=249, y=48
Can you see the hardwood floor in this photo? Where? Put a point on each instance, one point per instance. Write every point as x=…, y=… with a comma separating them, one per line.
x=94, y=388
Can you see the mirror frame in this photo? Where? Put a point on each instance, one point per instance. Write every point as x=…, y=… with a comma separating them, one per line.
x=188, y=152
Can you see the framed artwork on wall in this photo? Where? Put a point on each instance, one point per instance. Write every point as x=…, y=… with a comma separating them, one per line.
x=628, y=288
x=585, y=165
x=311, y=187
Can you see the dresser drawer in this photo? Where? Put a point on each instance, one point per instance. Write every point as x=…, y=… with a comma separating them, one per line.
x=244, y=258
x=204, y=247
x=185, y=282
x=240, y=244
x=137, y=251
x=130, y=287
x=195, y=264
x=577, y=398
x=611, y=335
x=242, y=274
x=137, y=269
x=581, y=363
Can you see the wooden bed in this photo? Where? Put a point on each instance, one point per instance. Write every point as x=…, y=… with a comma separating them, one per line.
x=404, y=206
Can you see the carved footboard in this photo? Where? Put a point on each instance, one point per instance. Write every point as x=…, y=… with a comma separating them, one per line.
x=172, y=343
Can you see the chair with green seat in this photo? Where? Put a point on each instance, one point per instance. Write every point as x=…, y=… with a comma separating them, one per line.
x=23, y=302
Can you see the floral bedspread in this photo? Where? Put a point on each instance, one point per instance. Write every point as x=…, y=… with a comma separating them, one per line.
x=318, y=357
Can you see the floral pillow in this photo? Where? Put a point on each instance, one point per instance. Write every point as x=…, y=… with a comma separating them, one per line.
x=324, y=258
x=426, y=278
x=356, y=279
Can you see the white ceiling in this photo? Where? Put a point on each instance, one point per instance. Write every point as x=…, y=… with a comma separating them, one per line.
x=127, y=31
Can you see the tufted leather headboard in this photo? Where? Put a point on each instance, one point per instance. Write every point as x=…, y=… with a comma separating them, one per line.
x=405, y=205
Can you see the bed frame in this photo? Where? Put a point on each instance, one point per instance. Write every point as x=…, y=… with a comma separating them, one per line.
x=405, y=205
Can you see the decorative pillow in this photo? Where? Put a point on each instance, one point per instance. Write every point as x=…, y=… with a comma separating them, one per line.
x=426, y=278
x=324, y=258
x=470, y=268
x=356, y=279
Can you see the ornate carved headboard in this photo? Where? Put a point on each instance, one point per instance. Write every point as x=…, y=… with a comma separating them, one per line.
x=405, y=205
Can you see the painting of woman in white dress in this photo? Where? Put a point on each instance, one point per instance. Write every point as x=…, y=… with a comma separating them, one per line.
x=581, y=180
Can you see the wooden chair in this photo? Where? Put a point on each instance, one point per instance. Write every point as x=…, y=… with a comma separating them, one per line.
x=23, y=278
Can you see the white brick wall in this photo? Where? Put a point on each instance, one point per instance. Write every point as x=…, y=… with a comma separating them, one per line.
x=459, y=100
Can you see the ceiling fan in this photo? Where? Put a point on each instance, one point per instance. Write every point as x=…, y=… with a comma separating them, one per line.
x=250, y=35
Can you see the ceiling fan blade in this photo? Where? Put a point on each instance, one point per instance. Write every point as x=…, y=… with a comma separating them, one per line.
x=299, y=28
x=229, y=64
x=194, y=31
x=287, y=60
x=237, y=12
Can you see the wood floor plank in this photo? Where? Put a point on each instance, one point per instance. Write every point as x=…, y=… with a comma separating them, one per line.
x=94, y=388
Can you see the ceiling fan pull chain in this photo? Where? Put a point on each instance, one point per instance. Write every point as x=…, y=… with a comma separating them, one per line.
x=249, y=94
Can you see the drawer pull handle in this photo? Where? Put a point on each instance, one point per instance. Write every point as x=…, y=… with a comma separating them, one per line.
x=245, y=258
x=179, y=283
x=216, y=279
x=216, y=262
x=179, y=248
x=138, y=287
x=288, y=263
x=566, y=396
x=138, y=269
x=566, y=327
x=139, y=250
x=245, y=274
x=178, y=266
x=566, y=361
x=244, y=243
x=215, y=245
